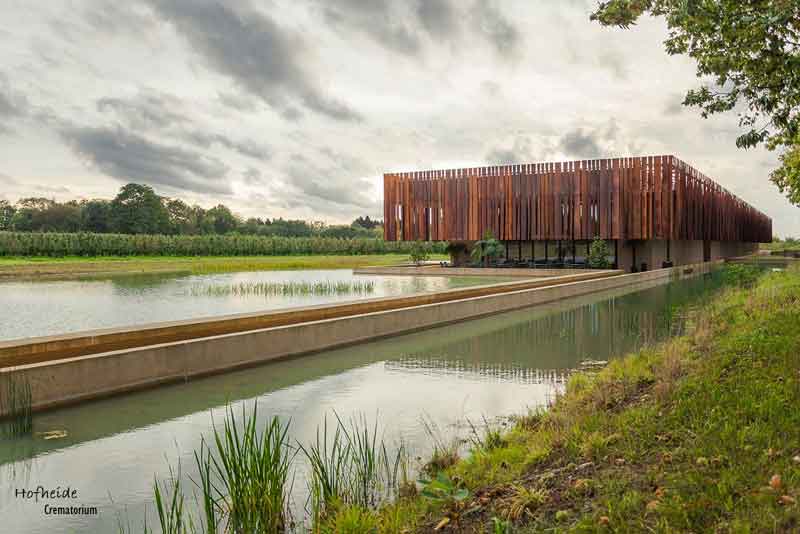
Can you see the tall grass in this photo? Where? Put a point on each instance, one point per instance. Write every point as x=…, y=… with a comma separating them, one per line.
x=245, y=482
x=170, y=507
x=16, y=407
x=352, y=466
x=271, y=289
x=88, y=244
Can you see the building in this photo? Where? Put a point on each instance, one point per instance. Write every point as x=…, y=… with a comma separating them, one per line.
x=653, y=211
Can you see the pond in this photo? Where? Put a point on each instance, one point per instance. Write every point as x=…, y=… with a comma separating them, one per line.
x=41, y=308
x=487, y=368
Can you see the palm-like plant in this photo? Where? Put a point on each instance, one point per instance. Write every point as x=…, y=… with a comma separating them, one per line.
x=487, y=248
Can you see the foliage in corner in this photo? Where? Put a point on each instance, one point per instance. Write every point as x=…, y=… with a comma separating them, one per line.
x=598, y=254
x=751, y=52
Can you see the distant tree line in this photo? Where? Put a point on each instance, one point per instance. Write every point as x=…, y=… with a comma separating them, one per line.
x=137, y=209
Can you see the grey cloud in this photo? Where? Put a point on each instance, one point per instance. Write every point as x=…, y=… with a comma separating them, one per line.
x=496, y=28
x=130, y=157
x=247, y=148
x=149, y=110
x=379, y=19
x=580, y=144
x=401, y=26
x=113, y=17
x=264, y=58
x=252, y=176
x=615, y=63
x=52, y=189
x=438, y=18
x=6, y=179
x=520, y=152
x=146, y=110
x=674, y=105
x=237, y=101
x=12, y=105
x=328, y=183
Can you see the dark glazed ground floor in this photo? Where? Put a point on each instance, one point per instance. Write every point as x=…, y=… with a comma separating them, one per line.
x=630, y=255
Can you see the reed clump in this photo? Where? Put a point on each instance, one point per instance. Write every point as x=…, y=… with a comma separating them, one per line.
x=243, y=484
x=245, y=478
x=286, y=289
x=351, y=466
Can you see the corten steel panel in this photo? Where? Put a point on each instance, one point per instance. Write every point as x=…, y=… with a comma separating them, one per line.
x=652, y=197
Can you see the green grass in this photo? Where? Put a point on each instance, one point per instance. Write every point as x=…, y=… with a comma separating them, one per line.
x=76, y=265
x=700, y=434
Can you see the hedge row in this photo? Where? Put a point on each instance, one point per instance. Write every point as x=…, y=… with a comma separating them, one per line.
x=88, y=244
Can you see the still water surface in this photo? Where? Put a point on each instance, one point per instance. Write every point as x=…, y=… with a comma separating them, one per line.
x=489, y=368
x=41, y=308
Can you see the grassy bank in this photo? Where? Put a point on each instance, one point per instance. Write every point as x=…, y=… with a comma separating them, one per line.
x=79, y=265
x=701, y=434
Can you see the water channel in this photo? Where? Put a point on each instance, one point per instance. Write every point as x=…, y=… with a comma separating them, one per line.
x=489, y=368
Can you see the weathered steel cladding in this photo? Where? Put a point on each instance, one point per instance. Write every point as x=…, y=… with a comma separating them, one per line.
x=650, y=197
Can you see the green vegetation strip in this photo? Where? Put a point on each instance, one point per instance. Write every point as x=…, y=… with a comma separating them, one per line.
x=701, y=434
x=89, y=244
x=27, y=267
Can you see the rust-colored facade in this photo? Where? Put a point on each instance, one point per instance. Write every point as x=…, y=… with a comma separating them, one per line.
x=625, y=199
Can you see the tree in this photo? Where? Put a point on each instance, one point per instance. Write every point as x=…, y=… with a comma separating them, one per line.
x=138, y=210
x=223, y=220
x=7, y=212
x=751, y=50
x=182, y=218
x=29, y=216
x=96, y=216
x=366, y=222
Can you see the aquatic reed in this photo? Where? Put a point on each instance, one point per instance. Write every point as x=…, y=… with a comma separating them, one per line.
x=170, y=507
x=288, y=289
x=16, y=407
x=244, y=483
x=352, y=466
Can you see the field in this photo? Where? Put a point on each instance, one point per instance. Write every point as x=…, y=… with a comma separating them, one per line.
x=80, y=265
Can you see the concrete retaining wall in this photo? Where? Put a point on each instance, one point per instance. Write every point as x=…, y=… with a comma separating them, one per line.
x=435, y=270
x=83, y=378
x=48, y=348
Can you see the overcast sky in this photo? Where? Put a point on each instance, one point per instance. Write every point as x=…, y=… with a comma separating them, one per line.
x=296, y=108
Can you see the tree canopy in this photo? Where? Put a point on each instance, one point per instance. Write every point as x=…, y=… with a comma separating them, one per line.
x=137, y=209
x=750, y=53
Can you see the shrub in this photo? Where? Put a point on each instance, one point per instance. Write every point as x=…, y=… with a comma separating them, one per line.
x=598, y=254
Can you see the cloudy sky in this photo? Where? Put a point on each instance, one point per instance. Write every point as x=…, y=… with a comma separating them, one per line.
x=295, y=108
